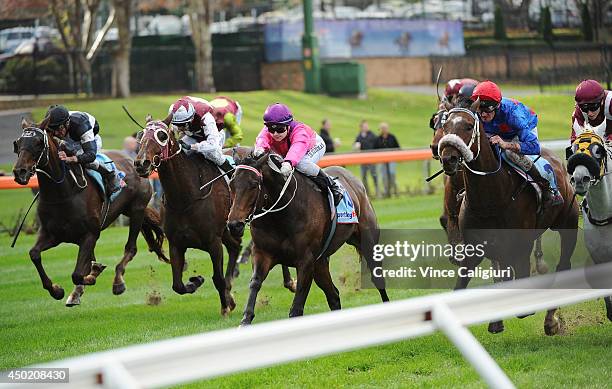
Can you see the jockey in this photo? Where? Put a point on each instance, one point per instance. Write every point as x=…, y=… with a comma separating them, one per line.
x=593, y=110
x=454, y=86
x=513, y=127
x=193, y=117
x=297, y=143
x=453, y=94
x=228, y=113
x=80, y=131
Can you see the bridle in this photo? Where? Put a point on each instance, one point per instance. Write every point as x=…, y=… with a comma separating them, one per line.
x=153, y=131
x=252, y=216
x=474, y=139
x=37, y=167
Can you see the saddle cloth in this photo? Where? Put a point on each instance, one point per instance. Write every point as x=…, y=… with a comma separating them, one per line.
x=97, y=177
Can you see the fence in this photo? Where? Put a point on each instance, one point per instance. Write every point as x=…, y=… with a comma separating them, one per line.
x=217, y=353
x=546, y=65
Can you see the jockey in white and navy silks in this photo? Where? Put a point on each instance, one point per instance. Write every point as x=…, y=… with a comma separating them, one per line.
x=81, y=131
x=593, y=110
x=193, y=117
x=513, y=127
x=297, y=143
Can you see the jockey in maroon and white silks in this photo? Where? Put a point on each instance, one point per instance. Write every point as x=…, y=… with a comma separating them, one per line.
x=193, y=117
x=593, y=110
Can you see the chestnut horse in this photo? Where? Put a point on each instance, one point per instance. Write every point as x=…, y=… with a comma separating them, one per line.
x=291, y=226
x=453, y=193
x=492, y=203
x=73, y=210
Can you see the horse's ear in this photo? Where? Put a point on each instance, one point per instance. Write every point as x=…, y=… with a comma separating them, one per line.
x=148, y=118
x=448, y=105
x=24, y=123
x=475, y=105
x=168, y=120
x=45, y=123
x=262, y=160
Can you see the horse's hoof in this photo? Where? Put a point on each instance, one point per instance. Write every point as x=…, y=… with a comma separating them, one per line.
x=231, y=303
x=554, y=328
x=225, y=311
x=89, y=280
x=73, y=300
x=197, y=281
x=57, y=292
x=118, y=288
x=291, y=285
x=542, y=268
x=496, y=327
x=525, y=315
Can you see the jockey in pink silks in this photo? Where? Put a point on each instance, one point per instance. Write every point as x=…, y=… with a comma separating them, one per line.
x=298, y=144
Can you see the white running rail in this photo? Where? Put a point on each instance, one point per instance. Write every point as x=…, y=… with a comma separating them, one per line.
x=196, y=357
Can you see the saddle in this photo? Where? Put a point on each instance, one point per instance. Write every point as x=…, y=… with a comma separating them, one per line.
x=528, y=180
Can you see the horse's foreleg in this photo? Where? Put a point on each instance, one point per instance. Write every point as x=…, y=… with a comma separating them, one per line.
x=568, y=244
x=541, y=266
x=136, y=218
x=233, y=250
x=87, y=269
x=45, y=242
x=363, y=240
x=261, y=267
x=324, y=281
x=177, y=261
x=469, y=263
x=304, y=281
x=288, y=282
x=246, y=253
x=226, y=298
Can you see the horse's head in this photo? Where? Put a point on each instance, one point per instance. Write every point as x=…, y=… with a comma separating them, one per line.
x=461, y=131
x=32, y=149
x=588, y=161
x=245, y=187
x=156, y=144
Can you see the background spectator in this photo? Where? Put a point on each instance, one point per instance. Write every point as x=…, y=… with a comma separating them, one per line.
x=366, y=140
x=130, y=146
x=330, y=144
x=386, y=140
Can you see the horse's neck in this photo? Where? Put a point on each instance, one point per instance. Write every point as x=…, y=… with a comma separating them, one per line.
x=272, y=189
x=486, y=192
x=599, y=197
x=50, y=189
x=180, y=179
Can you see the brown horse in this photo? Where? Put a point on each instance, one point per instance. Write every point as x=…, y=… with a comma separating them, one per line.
x=291, y=226
x=193, y=218
x=73, y=210
x=453, y=193
x=492, y=202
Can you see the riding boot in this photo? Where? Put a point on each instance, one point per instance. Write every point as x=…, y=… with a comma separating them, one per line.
x=110, y=180
x=324, y=181
x=550, y=197
x=226, y=166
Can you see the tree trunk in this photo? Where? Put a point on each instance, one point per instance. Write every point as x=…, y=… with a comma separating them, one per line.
x=200, y=18
x=121, y=58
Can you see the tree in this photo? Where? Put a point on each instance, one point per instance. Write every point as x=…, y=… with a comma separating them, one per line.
x=75, y=20
x=500, y=29
x=546, y=25
x=587, y=24
x=200, y=19
x=120, y=86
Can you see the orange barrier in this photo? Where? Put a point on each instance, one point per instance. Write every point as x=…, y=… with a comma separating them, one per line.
x=7, y=182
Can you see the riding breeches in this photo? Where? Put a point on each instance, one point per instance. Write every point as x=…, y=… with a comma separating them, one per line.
x=212, y=152
x=308, y=163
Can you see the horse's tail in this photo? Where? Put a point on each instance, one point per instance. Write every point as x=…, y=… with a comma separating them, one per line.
x=153, y=233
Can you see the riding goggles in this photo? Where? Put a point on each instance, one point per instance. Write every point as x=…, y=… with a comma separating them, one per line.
x=589, y=107
x=488, y=106
x=279, y=128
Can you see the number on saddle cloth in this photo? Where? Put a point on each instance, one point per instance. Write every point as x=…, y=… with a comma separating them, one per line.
x=546, y=170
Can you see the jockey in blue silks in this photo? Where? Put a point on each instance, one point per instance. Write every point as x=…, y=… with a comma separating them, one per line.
x=513, y=127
